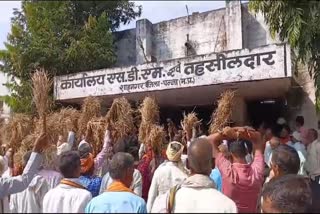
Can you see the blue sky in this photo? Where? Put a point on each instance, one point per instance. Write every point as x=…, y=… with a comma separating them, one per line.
x=155, y=11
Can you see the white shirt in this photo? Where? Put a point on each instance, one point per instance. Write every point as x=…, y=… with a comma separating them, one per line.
x=66, y=199
x=300, y=148
x=313, y=159
x=136, y=185
x=30, y=200
x=196, y=200
x=166, y=176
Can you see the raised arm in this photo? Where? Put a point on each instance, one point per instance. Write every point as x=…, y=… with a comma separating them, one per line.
x=71, y=137
x=17, y=184
x=99, y=160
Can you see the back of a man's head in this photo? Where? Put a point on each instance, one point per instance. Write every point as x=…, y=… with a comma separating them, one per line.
x=200, y=156
x=286, y=160
x=238, y=148
x=287, y=194
x=128, y=144
x=300, y=120
x=119, y=164
x=69, y=164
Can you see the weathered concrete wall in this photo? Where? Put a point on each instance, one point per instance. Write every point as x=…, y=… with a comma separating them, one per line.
x=233, y=25
x=255, y=32
x=206, y=32
x=125, y=46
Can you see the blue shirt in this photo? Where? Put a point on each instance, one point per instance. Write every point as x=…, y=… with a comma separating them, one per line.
x=216, y=177
x=116, y=202
x=92, y=183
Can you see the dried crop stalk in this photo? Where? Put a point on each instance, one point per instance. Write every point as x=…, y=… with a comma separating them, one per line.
x=223, y=113
x=189, y=122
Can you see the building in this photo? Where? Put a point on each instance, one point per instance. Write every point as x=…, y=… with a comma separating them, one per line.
x=189, y=61
x=4, y=109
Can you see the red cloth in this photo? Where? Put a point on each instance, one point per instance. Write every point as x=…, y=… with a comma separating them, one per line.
x=242, y=182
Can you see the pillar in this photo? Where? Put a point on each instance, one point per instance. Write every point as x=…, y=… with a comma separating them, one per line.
x=143, y=41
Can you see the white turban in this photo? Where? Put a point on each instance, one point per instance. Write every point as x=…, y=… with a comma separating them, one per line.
x=63, y=148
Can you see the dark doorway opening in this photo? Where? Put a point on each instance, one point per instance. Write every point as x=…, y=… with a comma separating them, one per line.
x=267, y=111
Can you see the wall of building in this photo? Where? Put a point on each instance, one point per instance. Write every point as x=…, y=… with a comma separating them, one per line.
x=125, y=46
x=5, y=110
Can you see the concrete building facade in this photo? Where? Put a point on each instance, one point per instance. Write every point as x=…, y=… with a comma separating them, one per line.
x=4, y=109
x=189, y=61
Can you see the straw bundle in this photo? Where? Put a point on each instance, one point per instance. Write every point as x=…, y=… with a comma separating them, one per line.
x=189, y=121
x=149, y=116
x=41, y=86
x=95, y=133
x=223, y=113
x=155, y=138
x=18, y=127
x=120, y=119
x=90, y=108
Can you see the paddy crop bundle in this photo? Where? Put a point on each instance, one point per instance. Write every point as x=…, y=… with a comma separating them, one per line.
x=155, y=138
x=149, y=111
x=189, y=122
x=95, y=133
x=119, y=119
x=91, y=108
x=17, y=128
x=41, y=86
x=222, y=115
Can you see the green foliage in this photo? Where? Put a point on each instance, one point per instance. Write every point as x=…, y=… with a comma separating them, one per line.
x=297, y=22
x=63, y=37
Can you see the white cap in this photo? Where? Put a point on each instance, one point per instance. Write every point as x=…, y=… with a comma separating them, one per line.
x=281, y=121
x=296, y=135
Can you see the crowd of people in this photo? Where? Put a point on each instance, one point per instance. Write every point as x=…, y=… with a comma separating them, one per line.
x=270, y=169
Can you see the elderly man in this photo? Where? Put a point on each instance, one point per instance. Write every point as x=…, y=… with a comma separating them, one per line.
x=197, y=193
x=118, y=197
x=17, y=184
x=69, y=196
x=313, y=156
x=168, y=174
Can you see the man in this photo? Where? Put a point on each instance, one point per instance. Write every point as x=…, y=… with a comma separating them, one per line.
x=30, y=200
x=197, y=193
x=240, y=179
x=301, y=129
x=168, y=174
x=17, y=184
x=88, y=178
x=118, y=197
x=300, y=148
x=285, y=160
x=85, y=147
x=273, y=143
x=313, y=167
x=287, y=194
x=313, y=156
x=69, y=196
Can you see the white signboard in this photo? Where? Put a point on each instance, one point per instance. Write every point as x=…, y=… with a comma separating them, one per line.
x=272, y=61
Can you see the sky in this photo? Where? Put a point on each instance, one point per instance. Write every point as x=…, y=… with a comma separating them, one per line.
x=155, y=11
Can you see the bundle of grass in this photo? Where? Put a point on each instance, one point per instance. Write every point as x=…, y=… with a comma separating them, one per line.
x=223, y=113
x=149, y=111
x=119, y=119
x=18, y=127
x=26, y=145
x=90, y=108
x=189, y=122
x=95, y=133
x=41, y=86
x=155, y=139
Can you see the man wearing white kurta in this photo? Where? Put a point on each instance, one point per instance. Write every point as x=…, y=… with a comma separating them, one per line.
x=69, y=196
x=197, y=193
x=30, y=200
x=168, y=174
x=17, y=184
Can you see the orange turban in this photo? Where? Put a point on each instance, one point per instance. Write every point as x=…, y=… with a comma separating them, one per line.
x=86, y=163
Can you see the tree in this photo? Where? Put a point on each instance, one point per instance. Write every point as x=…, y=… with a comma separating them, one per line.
x=63, y=37
x=299, y=23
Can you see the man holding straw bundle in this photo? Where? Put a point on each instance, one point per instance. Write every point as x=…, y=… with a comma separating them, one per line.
x=17, y=184
x=238, y=177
